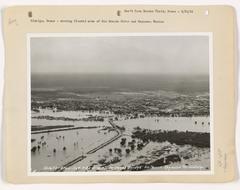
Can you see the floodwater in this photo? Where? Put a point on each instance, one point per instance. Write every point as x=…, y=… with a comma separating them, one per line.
x=68, y=114
x=194, y=124
x=77, y=142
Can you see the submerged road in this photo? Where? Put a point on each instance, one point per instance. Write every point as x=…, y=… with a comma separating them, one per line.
x=80, y=158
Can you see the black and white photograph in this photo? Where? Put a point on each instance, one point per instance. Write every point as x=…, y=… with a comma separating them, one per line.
x=120, y=103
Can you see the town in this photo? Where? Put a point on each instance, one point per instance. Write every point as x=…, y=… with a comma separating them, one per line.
x=129, y=105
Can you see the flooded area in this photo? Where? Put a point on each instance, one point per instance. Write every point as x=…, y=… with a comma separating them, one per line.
x=56, y=148
x=195, y=124
x=108, y=103
x=76, y=142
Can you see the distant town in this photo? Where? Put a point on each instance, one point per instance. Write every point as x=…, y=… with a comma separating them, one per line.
x=130, y=105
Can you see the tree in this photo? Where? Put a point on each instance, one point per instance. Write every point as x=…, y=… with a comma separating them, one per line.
x=132, y=147
x=123, y=141
x=34, y=149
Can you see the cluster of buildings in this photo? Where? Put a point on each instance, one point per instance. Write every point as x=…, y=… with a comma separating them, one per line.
x=134, y=106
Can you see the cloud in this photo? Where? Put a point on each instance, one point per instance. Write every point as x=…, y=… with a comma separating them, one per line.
x=133, y=54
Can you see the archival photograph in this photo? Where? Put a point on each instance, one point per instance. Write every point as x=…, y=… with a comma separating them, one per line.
x=119, y=103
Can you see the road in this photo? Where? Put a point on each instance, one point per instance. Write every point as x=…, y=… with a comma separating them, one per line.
x=80, y=158
x=61, y=129
x=76, y=160
x=119, y=134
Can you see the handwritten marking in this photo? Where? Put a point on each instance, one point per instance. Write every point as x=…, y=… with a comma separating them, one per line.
x=12, y=21
x=219, y=155
x=222, y=159
x=225, y=163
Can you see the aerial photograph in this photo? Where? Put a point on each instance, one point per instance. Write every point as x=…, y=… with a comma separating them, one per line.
x=124, y=103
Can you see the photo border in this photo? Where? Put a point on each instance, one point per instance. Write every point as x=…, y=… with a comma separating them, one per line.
x=110, y=173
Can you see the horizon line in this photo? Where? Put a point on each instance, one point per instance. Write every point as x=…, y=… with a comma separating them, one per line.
x=116, y=73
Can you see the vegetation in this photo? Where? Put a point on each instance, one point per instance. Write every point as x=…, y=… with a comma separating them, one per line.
x=123, y=142
x=177, y=137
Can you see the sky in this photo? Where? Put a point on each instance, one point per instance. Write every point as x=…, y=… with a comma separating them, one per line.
x=125, y=54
